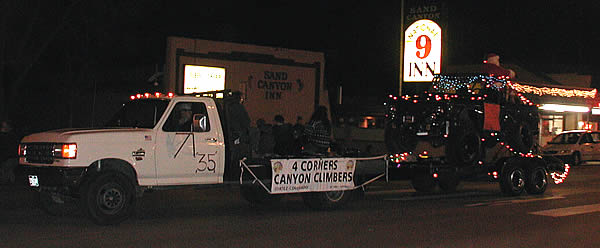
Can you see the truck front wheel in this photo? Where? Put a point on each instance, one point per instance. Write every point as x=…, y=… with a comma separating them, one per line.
x=512, y=180
x=327, y=200
x=109, y=198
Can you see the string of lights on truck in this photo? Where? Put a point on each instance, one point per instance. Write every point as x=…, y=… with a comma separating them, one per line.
x=453, y=83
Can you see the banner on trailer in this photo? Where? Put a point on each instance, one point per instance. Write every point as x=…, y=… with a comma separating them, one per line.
x=310, y=175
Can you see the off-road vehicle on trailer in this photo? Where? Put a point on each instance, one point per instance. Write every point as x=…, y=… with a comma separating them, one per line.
x=467, y=126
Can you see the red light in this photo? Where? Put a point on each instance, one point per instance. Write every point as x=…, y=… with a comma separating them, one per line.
x=170, y=94
x=146, y=95
x=132, y=97
x=138, y=96
x=424, y=152
x=435, y=175
x=157, y=94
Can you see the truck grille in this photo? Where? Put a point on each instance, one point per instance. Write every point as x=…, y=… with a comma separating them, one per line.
x=42, y=153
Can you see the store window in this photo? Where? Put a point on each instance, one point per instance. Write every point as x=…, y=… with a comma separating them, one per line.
x=552, y=124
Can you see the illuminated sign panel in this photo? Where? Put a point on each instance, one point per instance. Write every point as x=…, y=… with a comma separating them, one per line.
x=422, y=51
x=203, y=78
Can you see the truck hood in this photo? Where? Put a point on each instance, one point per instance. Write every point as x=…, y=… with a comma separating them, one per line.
x=76, y=134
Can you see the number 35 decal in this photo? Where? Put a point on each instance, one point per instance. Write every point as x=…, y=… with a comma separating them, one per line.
x=206, y=162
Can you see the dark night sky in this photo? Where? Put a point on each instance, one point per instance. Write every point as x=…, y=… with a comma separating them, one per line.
x=360, y=39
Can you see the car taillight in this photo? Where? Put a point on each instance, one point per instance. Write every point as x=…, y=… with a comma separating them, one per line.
x=65, y=150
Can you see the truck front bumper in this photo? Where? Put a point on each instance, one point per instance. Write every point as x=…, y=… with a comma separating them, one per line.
x=51, y=177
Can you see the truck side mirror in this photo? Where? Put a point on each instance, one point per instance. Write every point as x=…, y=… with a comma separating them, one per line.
x=200, y=123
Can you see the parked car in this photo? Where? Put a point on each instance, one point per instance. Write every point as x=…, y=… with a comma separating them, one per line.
x=574, y=146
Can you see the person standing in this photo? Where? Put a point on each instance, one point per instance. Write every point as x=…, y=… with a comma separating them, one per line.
x=318, y=132
x=284, y=137
x=9, y=143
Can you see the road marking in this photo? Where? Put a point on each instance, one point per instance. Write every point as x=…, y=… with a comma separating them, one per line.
x=561, y=212
x=506, y=202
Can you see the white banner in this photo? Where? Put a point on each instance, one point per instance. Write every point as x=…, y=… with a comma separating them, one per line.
x=311, y=175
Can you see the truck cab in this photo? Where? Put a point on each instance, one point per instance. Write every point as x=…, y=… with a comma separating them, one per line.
x=153, y=141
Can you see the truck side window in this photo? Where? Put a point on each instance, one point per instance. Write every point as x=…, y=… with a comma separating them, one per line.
x=181, y=118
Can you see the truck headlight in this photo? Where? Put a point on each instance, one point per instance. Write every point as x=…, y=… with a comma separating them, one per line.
x=65, y=150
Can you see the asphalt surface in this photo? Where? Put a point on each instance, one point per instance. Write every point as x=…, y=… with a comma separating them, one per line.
x=387, y=215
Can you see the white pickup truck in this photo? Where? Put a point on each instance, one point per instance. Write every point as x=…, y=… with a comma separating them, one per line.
x=161, y=141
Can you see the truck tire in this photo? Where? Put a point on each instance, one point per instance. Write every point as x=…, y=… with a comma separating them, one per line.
x=328, y=200
x=397, y=140
x=56, y=204
x=258, y=196
x=423, y=182
x=464, y=147
x=512, y=180
x=520, y=137
x=536, y=181
x=108, y=198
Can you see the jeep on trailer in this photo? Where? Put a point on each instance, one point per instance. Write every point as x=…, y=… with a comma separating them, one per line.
x=467, y=126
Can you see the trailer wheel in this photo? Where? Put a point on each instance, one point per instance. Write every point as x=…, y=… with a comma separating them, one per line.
x=109, y=198
x=512, y=180
x=328, y=200
x=56, y=204
x=536, y=181
x=258, y=196
x=423, y=182
x=449, y=182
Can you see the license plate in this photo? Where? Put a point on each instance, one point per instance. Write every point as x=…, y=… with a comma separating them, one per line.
x=33, y=181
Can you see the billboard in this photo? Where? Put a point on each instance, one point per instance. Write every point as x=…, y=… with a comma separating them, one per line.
x=422, y=51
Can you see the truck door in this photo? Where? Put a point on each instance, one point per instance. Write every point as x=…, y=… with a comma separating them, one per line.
x=187, y=156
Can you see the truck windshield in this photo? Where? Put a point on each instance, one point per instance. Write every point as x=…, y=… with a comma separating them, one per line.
x=143, y=113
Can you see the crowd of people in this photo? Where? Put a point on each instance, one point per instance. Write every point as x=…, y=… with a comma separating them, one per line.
x=281, y=138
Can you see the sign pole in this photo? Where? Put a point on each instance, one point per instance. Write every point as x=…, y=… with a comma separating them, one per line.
x=401, y=47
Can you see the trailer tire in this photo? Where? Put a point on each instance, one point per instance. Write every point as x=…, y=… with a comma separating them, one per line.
x=108, y=198
x=423, y=182
x=258, y=196
x=56, y=204
x=536, y=181
x=328, y=200
x=512, y=180
x=449, y=182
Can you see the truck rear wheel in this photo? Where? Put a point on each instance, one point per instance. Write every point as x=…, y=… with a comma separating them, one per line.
x=512, y=180
x=109, y=198
x=328, y=200
x=536, y=181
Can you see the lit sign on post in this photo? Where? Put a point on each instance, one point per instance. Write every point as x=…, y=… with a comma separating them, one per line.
x=203, y=78
x=422, y=51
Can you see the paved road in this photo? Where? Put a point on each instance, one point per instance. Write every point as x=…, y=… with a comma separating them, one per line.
x=389, y=215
